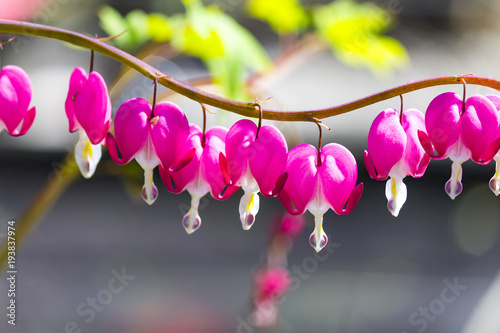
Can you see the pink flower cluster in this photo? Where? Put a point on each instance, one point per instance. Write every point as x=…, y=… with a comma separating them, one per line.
x=403, y=144
x=257, y=158
x=217, y=162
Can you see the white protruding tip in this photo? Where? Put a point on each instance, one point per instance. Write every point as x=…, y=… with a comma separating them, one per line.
x=453, y=187
x=495, y=180
x=318, y=238
x=87, y=155
x=192, y=221
x=249, y=207
x=395, y=191
x=149, y=190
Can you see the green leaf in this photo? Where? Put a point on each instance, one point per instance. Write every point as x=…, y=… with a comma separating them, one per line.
x=113, y=23
x=227, y=48
x=134, y=23
x=284, y=16
x=354, y=32
x=137, y=22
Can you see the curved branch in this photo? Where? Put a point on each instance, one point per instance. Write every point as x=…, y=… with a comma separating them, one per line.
x=243, y=108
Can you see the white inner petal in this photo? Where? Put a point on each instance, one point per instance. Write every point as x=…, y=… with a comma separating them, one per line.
x=395, y=192
x=87, y=155
x=495, y=180
x=146, y=157
x=149, y=190
x=192, y=221
x=454, y=186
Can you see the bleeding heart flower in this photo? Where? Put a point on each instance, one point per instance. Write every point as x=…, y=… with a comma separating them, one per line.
x=15, y=99
x=149, y=137
x=270, y=285
x=395, y=151
x=460, y=131
x=495, y=180
x=202, y=174
x=320, y=185
x=256, y=163
x=88, y=108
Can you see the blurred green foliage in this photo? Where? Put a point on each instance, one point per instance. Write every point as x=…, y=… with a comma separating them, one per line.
x=284, y=16
x=354, y=31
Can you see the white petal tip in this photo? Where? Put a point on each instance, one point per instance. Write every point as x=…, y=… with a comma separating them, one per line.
x=191, y=222
x=453, y=188
x=318, y=242
x=247, y=221
x=495, y=185
x=149, y=195
x=393, y=208
x=395, y=192
x=318, y=238
x=87, y=156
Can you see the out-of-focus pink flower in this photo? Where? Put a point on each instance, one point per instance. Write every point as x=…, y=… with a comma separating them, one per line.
x=318, y=187
x=202, y=174
x=88, y=109
x=20, y=9
x=149, y=137
x=270, y=285
x=460, y=131
x=287, y=225
x=394, y=150
x=15, y=99
x=256, y=163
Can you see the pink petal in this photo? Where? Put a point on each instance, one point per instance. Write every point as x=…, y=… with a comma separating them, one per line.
x=442, y=121
x=338, y=174
x=176, y=182
x=15, y=97
x=414, y=155
x=280, y=183
x=92, y=108
x=426, y=143
x=386, y=142
x=224, y=168
x=77, y=81
x=480, y=124
x=132, y=128
x=267, y=158
x=302, y=178
x=27, y=122
x=170, y=132
x=370, y=167
x=215, y=144
x=184, y=160
x=239, y=139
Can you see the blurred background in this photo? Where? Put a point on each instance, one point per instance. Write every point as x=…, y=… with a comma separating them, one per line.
x=383, y=275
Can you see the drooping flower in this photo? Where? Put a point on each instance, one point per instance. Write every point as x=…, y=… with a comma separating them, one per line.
x=88, y=108
x=149, y=137
x=256, y=163
x=395, y=151
x=460, y=131
x=320, y=185
x=270, y=285
x=202, y=174
x=495, y=180
x=15, y=99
